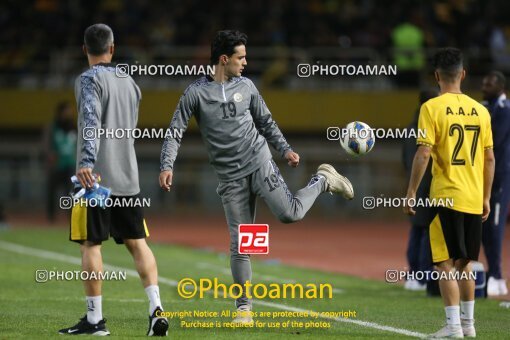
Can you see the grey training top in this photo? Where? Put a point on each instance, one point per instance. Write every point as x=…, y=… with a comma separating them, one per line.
x=234, y=122
x=108, y=102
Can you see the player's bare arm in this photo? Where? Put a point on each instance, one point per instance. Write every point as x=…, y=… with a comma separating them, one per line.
x=420, y=162
x=180, y=119
x=488, y=176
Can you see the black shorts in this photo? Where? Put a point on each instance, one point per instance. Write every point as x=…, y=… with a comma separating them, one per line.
x=455, y=235
x=96, y=224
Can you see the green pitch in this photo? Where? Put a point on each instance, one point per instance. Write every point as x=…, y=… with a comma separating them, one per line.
x=29, y=309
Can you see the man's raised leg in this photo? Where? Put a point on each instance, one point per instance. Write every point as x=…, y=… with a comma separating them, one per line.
x=269, y=184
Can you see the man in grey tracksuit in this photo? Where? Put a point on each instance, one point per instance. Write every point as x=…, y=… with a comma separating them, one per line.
x=236, y=127
x=106, y=101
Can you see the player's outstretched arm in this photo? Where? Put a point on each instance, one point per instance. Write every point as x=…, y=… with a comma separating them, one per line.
x=420, y=162
x=268, y=128
x=178, y=126
x=489, y=165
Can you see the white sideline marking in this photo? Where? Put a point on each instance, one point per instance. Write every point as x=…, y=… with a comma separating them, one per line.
x=76, y=298
x=347, y=320
x=17, y=248
x=226, y=271
x=70, y=259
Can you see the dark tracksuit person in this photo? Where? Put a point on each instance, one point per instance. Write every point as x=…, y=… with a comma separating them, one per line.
x=418, y=247
x=493, y=229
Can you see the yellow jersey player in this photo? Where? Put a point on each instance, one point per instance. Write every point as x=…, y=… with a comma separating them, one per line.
x=459, y=138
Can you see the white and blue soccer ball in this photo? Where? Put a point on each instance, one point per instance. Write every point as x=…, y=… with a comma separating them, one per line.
x=357, y=138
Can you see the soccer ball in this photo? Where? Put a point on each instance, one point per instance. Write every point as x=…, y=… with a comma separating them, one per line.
x=357, y=138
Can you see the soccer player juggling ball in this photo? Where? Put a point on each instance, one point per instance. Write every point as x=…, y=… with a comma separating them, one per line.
x=111, y=102
x=236, y=127
x=458, y=136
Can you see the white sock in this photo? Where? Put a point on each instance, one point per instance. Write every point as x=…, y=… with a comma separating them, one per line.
x=467, y=310
x=154, y=299
x=94, y=309
x=452, y=315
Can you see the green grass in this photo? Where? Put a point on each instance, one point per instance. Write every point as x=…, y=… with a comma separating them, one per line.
x=29, y=309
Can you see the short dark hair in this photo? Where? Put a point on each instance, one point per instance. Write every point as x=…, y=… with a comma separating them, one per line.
x=449, y=62
x=225, y=42
x=500, y=78
x=97, y=39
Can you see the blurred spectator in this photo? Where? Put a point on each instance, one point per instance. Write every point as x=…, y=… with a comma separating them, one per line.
x=408, y=42
x=500, y=48
x=493, y=88
x=60, y=142
x=419, y=257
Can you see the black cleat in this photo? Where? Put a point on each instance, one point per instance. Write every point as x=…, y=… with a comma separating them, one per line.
x=158, y=325
x=86, y=328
